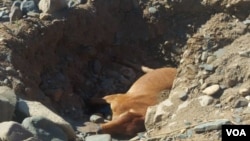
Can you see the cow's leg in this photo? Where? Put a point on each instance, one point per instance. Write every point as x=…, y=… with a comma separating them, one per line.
x=129, y=123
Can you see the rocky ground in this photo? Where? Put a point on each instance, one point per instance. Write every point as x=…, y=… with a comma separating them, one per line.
x=55, y=56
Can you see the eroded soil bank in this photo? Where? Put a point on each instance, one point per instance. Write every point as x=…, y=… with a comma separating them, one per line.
x=83, y=52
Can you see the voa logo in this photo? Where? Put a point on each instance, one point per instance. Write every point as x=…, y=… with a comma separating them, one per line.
x=236, y=132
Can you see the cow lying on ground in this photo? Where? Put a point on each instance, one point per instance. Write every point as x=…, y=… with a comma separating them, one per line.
x=129, y=109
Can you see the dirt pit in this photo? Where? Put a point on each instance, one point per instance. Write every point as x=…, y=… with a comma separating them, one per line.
x=82, y=53
x=87, y=51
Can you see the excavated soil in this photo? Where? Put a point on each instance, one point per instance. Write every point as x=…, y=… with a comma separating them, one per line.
x=87, y=51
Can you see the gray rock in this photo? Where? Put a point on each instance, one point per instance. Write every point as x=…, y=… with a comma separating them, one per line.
x=247, y=97
x=204, y=85
x=247, y=22
x=244, y=91
x=205, y=100
x=183, y=96
x=183, y=105
x=152, y=10
x=217, y=105
x=45, y=16
x=1, y=14
x=29, y=108
x=13, y=131
x=210, y=59
x=44, y=129
x=207, y=67
x=237, y=119
x=33, y=14
x=149, y=118
x=28, y=6
x=7, y=103
x=52, y=6
x=204, y=56
x=15, y=14
x=247, y=110
x=211, y=90
x=241, y=102
x=219, y=53
x=244, y=53
x=101, y=137
x=73, y=3
x=16, y=3
x=213, y=125
x=96, y=118
x=5, y=17
x=7, y=109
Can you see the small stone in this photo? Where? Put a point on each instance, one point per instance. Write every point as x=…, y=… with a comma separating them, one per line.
x=210, y=59
x=28, y=6
x=182, y=136
x=152, y=10
x=7, y=103
x=101, y=137
x=1, y=39
x=1, y=14
x=246, y=22
x=187, y=123
x=208, y=67
x=189, y=133
x=8, y=68
x=205, y=100
x=16, y=3
x=183, y=105
x=96, y=118
x=73, y=3
x=6, y=81
x=237, y=119
x=183, y=96
x=52, y=6
x=203, y=86
x=247, y=97
x=15, y=14
x=204, y=56
x=13, y=131
x=33, y=14
x=244, y=91
x=247, y=110
x=244, y=53
x=45, y=16
x=231, y=82
x=242, y=102
x=218, y=106
x=30, y=108
x=211, y=90
x=229, y=99
x=213, y=125
x=219, y=53
x=44, y=129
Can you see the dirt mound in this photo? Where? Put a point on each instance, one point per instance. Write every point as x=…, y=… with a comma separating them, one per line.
x=214, y=57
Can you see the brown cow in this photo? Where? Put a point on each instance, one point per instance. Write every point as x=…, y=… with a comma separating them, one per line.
x=129, y=109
